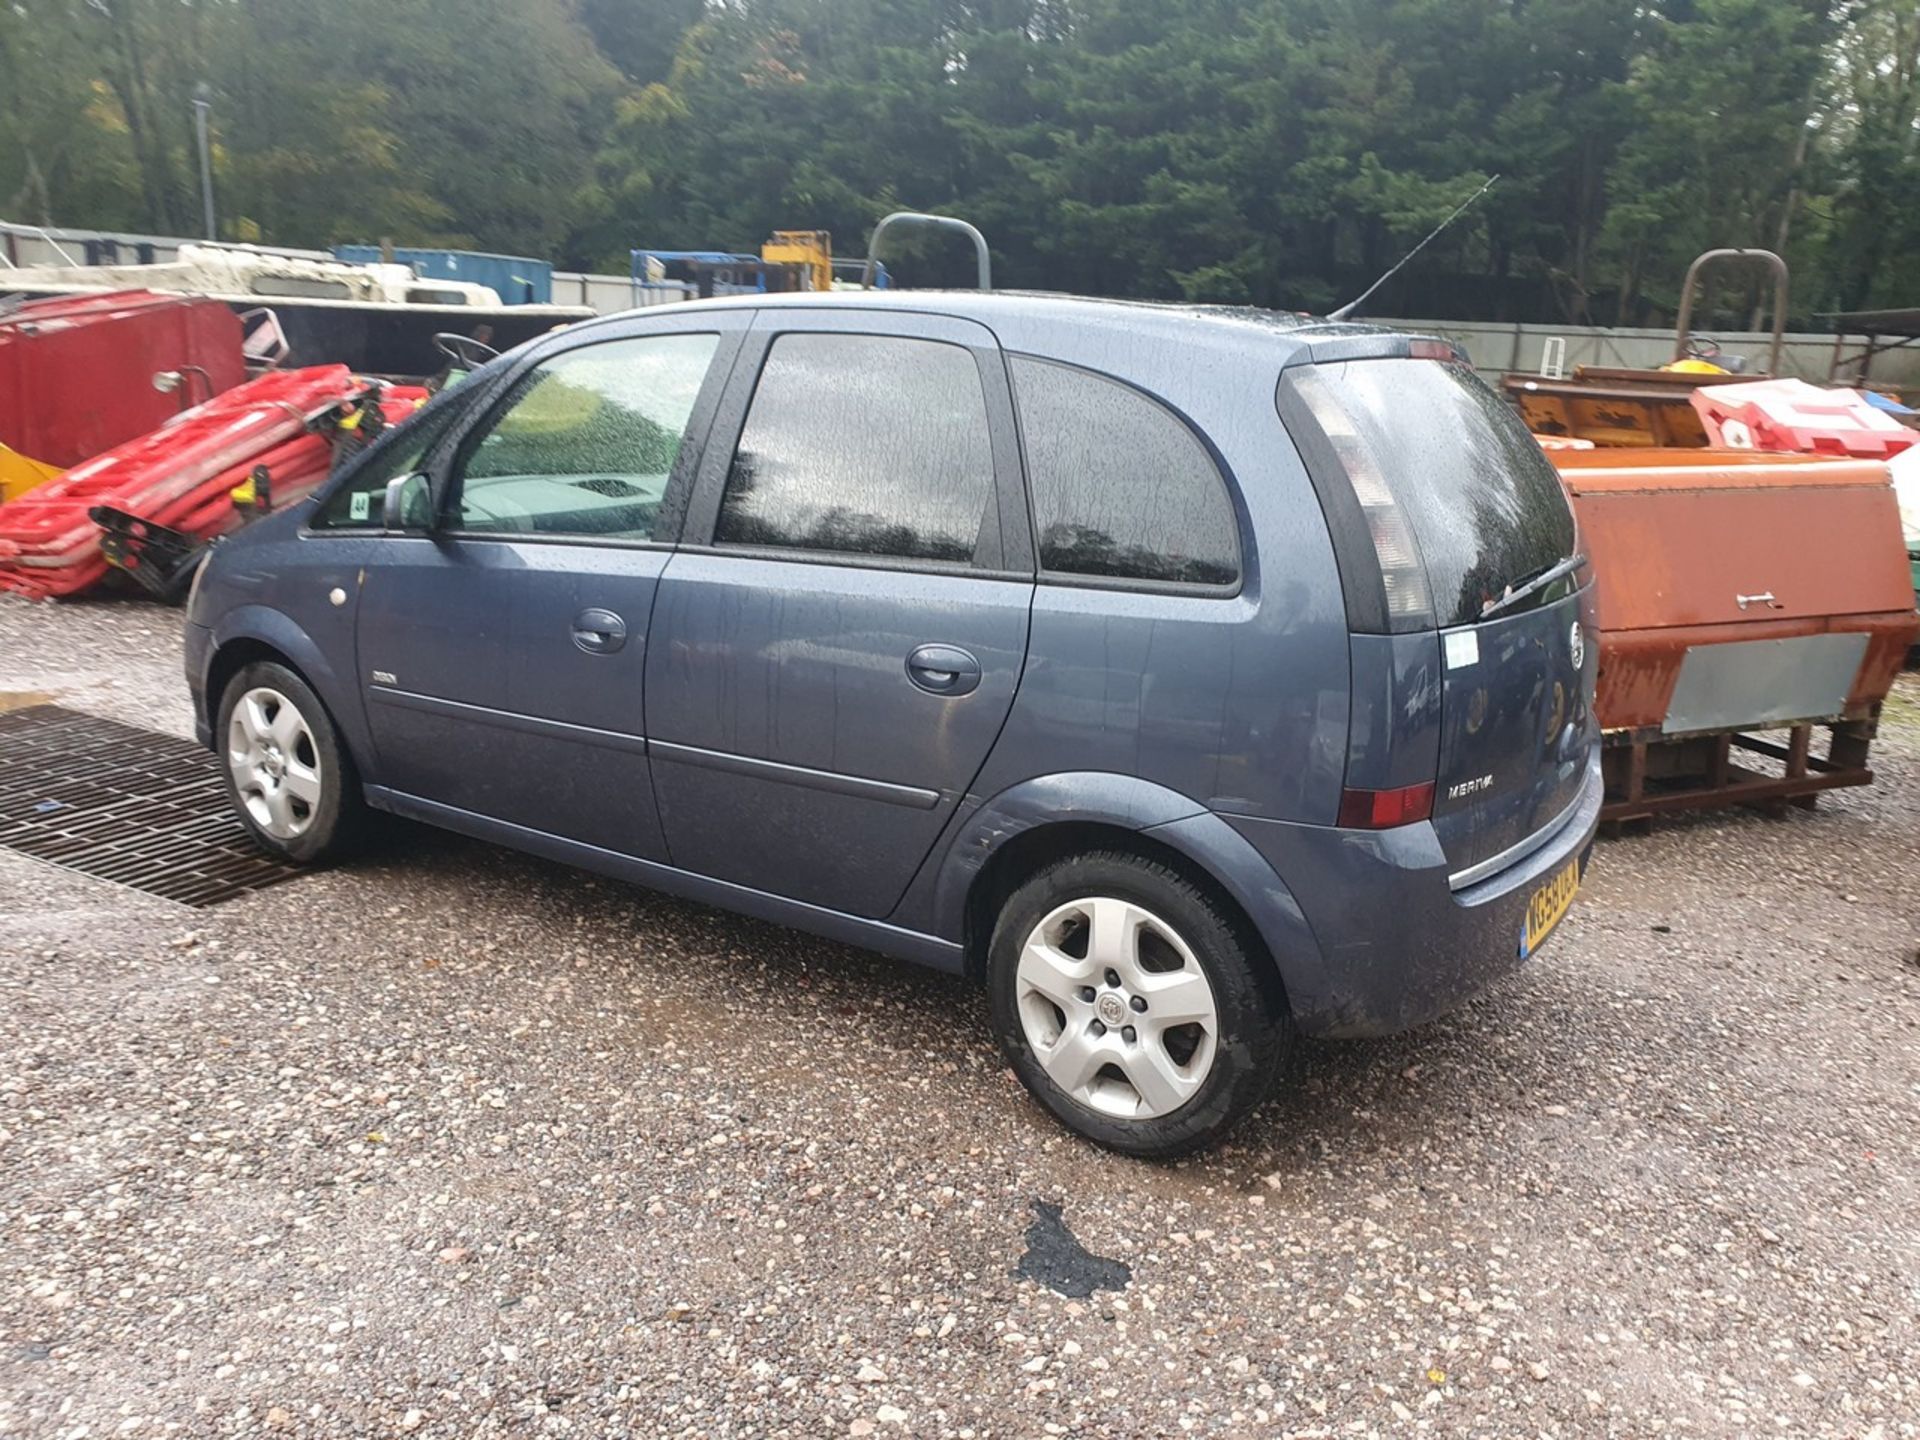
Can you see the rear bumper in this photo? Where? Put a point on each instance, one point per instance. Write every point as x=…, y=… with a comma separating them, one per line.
x=1398, y=944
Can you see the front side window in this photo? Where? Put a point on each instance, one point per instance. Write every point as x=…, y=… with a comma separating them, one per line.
x=1122, y=489
x=585, y=444
x=864, y=444
x=360, y=503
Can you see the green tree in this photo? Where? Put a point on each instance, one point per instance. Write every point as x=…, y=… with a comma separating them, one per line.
x=639, y=37
x=64, y=147
x=1871, y=156
x=1274, y=152
x=469, y=123
x=1722, y=100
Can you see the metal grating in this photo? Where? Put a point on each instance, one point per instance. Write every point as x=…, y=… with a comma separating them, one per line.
x=125, y=804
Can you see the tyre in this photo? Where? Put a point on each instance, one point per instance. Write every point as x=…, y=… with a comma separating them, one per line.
x=287, y=774
x=1134, y=1005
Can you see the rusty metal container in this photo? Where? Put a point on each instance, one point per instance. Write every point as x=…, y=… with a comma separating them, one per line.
x=1739, y=592
x=1629, y=409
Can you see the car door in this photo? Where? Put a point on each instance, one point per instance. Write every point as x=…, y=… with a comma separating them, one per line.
x=837, y=642
x=503, y=653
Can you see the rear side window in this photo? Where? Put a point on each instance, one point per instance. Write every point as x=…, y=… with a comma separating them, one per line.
x=1122, y=489
x=1458, y=499
x=866, y=445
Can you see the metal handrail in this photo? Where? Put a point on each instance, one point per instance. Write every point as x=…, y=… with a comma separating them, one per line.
x=46, y=235
x=944, y=222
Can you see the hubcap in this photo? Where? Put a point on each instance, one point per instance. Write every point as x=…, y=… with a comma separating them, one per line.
x=1116, y=1008
x=276, y=769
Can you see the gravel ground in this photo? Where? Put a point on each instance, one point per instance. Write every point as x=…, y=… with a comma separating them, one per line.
x=453, y=1142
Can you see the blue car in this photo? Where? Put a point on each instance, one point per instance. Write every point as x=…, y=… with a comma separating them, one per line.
x=1192, y=678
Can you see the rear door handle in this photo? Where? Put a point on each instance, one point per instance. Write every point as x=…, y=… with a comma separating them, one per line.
x=943, y=670
x=599, y=632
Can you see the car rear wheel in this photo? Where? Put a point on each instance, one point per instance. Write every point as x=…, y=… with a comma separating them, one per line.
x=1128, y=1001
x=288, y=776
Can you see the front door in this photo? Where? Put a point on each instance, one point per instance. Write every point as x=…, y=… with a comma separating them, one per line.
x=503, y=654
x=830, y=665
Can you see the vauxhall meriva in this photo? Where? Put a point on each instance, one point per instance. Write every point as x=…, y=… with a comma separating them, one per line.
x=1193, y=678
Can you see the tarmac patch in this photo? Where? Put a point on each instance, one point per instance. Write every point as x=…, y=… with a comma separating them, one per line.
x=1061, y=1263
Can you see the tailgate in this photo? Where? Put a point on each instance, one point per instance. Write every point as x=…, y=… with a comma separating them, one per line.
x=1516, y=729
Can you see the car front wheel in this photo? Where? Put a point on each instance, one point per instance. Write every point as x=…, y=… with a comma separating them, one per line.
x=1127, y=1000
x=288, y=776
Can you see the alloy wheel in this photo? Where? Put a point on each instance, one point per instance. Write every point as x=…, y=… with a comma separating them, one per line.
x=276, y=768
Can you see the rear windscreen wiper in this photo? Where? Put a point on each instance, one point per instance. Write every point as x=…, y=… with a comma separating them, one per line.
x=1516, y=593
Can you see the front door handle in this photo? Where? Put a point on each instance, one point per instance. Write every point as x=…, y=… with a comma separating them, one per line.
x=599, y=632
x=943, y=670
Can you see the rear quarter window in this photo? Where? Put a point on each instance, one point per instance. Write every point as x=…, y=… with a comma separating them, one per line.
x=1122, y=489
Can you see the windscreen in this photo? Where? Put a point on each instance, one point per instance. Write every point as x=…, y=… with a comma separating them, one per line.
x=1485, y=506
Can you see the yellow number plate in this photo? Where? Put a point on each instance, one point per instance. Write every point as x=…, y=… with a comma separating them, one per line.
x=1549, y=903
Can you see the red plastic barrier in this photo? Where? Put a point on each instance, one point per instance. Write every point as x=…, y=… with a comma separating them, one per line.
x=179, y=476
x=1794, y=417
x=297, y=467
x=76, y=371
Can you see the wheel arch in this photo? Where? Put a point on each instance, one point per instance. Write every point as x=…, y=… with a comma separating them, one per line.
x=258, y=632
x=231, y=658
x=1033, y=824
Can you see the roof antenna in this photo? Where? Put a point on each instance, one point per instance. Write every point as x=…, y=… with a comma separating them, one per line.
x=1354, y=304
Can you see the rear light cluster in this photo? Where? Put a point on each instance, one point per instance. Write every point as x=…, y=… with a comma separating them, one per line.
x=1403, y=574
x=1384, y=809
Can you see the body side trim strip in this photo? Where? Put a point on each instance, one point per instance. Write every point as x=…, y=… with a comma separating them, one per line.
x=507, y=719
x=885, y=791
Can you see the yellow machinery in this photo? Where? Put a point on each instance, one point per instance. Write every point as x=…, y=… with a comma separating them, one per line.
x=18, y=474
x=811, y=250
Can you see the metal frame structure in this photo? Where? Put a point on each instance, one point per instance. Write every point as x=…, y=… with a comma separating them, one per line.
x=1872, y=326
x=1648, y=773
x=1683, y=323
x=983, y=262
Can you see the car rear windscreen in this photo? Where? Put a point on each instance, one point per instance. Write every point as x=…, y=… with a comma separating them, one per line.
x=1485, y=507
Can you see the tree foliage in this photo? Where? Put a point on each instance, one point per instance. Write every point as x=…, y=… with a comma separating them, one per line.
x=1275, y=152
x=467, y=122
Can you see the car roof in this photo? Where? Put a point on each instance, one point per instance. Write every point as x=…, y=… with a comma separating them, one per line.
x=1023, y=318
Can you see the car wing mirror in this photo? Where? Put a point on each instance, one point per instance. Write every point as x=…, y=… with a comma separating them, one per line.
x=408, y=503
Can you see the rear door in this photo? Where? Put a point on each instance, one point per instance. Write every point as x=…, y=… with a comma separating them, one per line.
x=1451, y=514
x=503, y=653
x=836, y=645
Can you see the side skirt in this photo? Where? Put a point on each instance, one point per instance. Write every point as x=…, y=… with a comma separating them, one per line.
x=877, y=935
